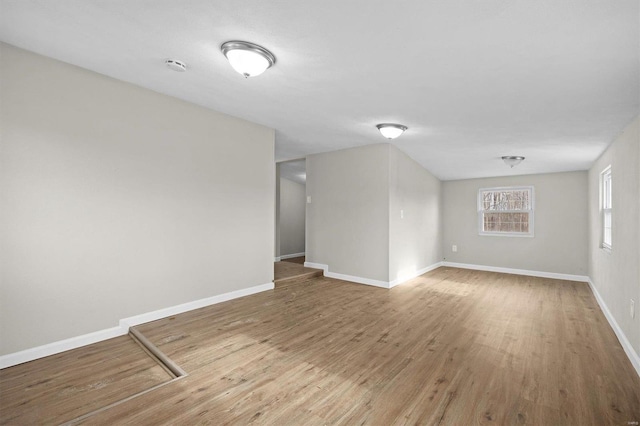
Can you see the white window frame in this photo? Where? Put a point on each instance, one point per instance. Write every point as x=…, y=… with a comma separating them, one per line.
x=606, y=208
x=481, y=212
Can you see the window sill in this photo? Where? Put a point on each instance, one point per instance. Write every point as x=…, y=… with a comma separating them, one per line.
x=504, y=234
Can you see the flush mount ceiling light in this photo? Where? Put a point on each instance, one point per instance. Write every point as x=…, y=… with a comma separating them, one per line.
x=511, y=160
x=247, y=58
x=390, y=130
x=176, y=65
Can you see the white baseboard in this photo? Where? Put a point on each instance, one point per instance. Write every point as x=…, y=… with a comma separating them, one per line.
x=626, y=345
x=289, y=256
x=369, y=281
x=344, y=277
x=415, y=274
x=190, y=306
x=322, y=266
x=566, y=277
x=53, y=348
x=60, y=346
x=359, y=280
x=277, y=259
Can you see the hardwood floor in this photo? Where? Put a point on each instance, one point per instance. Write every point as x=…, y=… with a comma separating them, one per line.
x=299, y=259
x=451, y=347
x=62, y=387
x=285, y=271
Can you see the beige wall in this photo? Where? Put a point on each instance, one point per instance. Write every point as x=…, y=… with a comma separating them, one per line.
x=292, y=217
x=348, y=218
x=415, y=223
x=117, y=201
x=560, y=241
x=354, y=222
x=616, y=275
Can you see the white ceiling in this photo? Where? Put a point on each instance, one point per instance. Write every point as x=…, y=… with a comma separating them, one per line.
x=294, y=170
x=555, y=81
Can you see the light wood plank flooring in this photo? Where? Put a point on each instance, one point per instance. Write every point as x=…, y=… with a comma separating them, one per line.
x=299, y=259
x=62, y=387
x=285, y=271
x=452, y=347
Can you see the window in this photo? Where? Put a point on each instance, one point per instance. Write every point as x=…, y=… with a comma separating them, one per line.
x=605, y=184
x=506, y=211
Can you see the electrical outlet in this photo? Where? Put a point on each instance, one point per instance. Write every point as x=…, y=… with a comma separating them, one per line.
x=632, y=309
x=454, y=248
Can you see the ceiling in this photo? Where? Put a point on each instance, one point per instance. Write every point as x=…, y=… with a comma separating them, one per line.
x=294, y=170
x=555, y=81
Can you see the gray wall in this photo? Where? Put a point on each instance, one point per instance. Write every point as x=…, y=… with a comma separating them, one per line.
x=117, y=201
x=616, y=275
x=292, y=217
x=415, y=240
x=348, y=218
x=354, y=222
x=560, y=241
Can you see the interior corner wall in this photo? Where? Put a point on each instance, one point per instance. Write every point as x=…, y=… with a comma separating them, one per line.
x=415, y=217
x=117, y=201
x=559, y=244
x=292, y=217
x=348, y=218
x=616, y=274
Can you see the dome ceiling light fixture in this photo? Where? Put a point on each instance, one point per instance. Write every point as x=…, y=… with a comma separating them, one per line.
x=391, y=130
x=248, y=59
x=512, y=160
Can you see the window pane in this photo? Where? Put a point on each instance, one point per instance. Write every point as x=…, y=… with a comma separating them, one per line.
x=506, y=200
x=606, y=237
x=506, y=222
x=506, y=210
x=606, y=187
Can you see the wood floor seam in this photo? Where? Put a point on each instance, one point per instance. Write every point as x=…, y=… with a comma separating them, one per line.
x=164, y=360
x=151, y=350
x=122, y=401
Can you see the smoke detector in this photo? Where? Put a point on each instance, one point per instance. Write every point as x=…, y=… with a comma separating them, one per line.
x=176, y=65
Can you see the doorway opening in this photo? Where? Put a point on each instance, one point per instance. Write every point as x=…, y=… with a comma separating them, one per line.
x=290, y=233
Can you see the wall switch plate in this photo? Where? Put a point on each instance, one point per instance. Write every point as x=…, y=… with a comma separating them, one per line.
x=308, y=199
x=401, y=214
x=454, y=248
x=632, y=309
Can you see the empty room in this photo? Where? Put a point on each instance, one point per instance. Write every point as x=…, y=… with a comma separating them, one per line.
x=319, y=213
